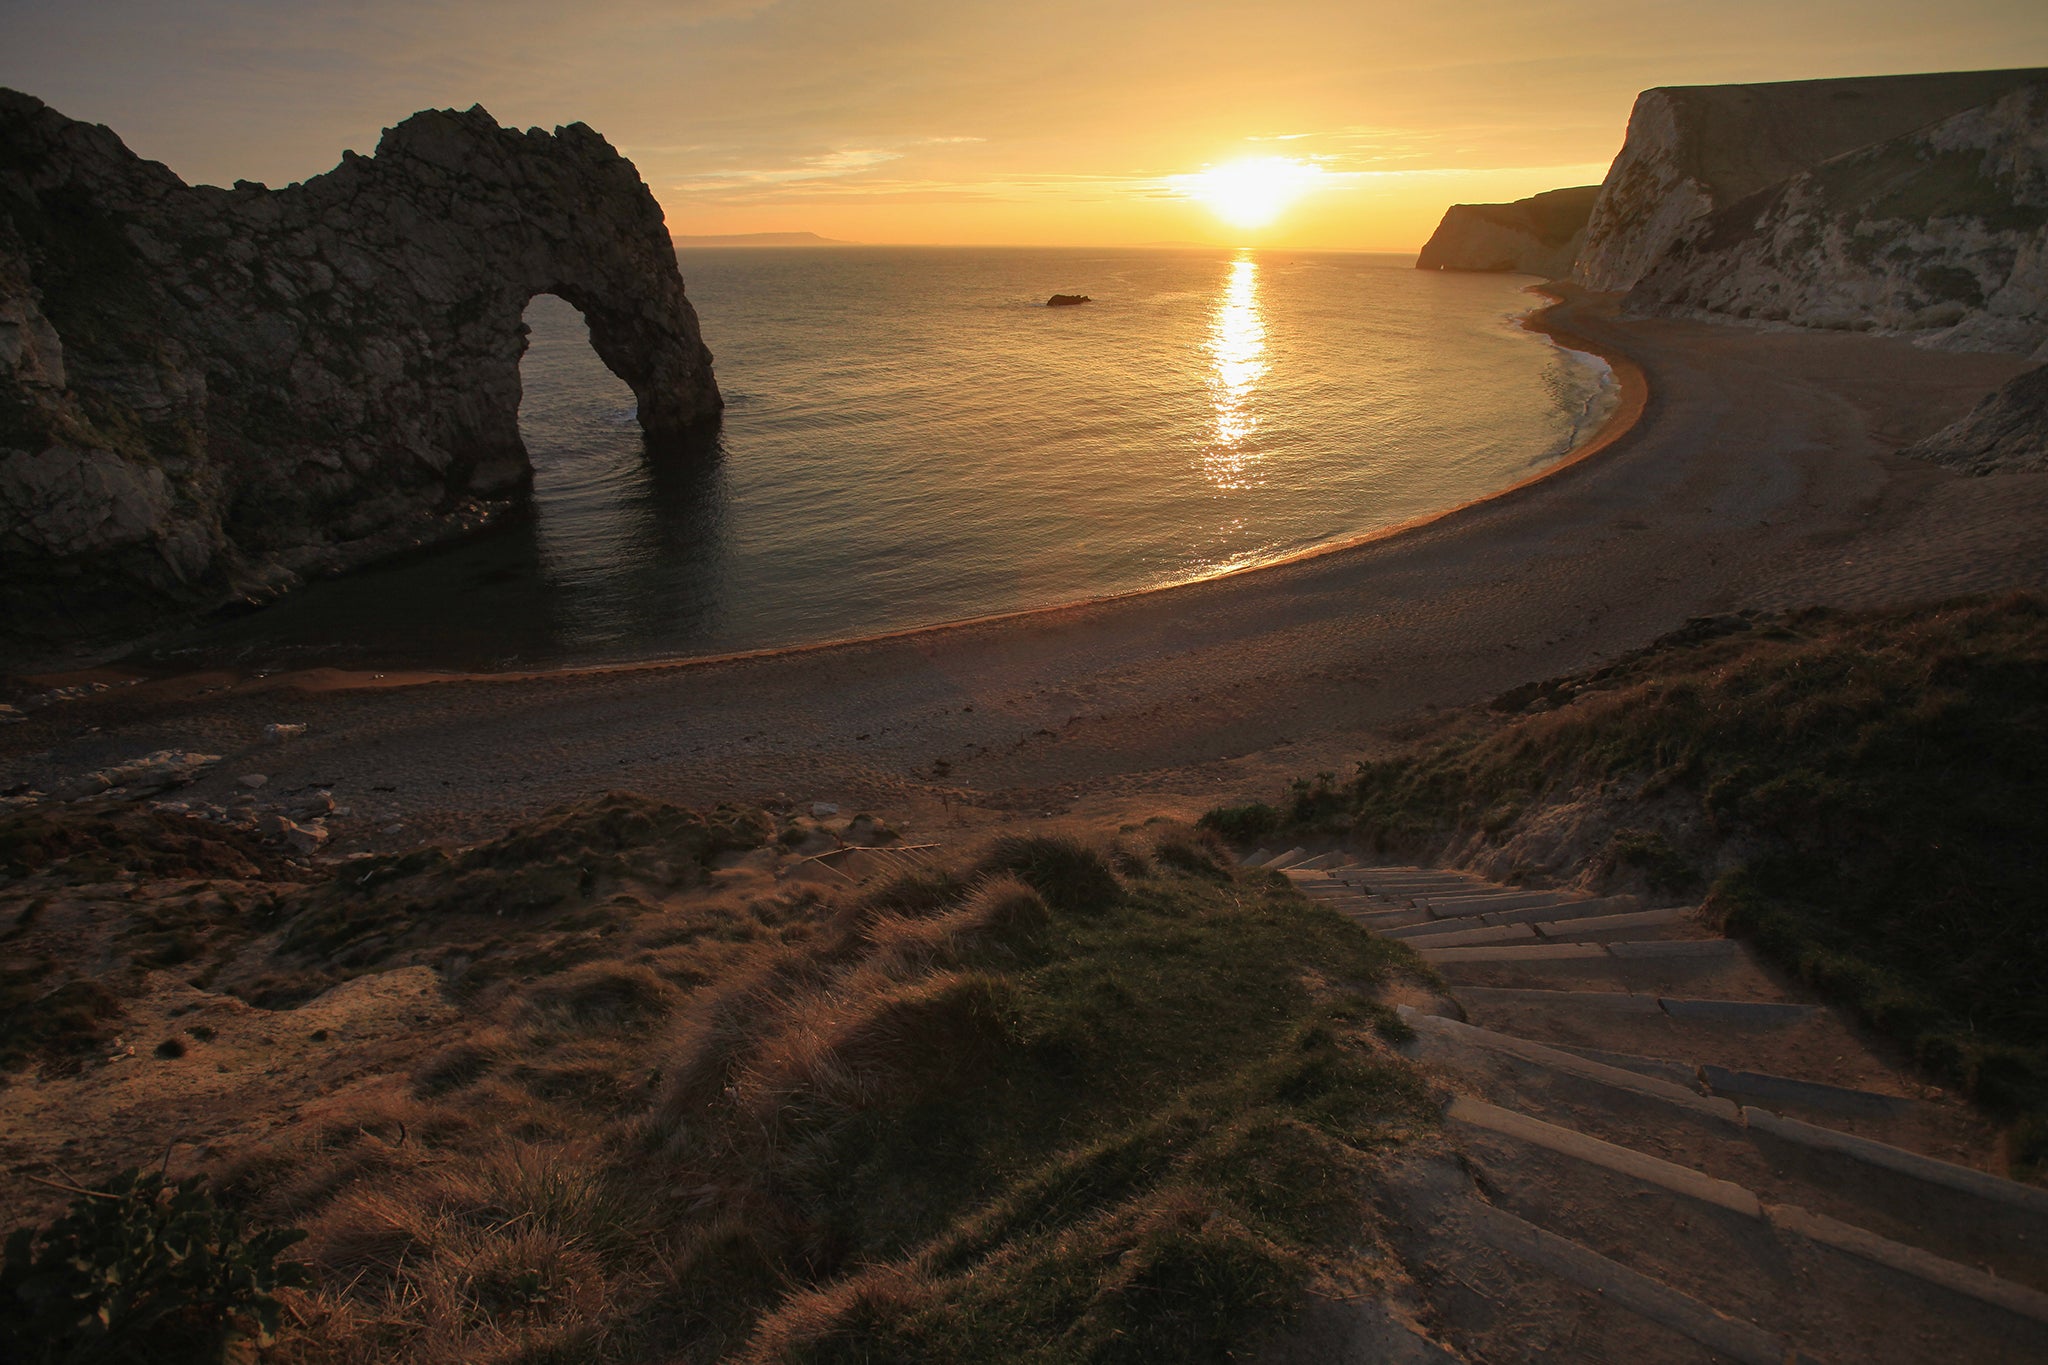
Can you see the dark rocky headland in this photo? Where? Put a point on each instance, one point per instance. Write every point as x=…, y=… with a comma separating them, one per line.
x=211, y=394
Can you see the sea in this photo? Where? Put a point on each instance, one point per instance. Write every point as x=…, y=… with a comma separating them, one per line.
x=912, y=436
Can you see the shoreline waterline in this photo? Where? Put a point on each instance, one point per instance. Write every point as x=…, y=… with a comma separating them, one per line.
x=1632, y=397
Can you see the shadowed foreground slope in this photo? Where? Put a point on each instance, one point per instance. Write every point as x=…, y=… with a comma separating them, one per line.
x=574, y=1094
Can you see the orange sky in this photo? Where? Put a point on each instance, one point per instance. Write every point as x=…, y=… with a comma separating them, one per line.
x=966, y=122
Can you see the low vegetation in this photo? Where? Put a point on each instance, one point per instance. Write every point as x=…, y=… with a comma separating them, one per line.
x=1865, y=797
x=1050, y=1101
x=142, y=1271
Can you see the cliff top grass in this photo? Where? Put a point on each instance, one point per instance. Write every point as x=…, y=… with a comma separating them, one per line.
x=1050, y=1101
x=1865, y=797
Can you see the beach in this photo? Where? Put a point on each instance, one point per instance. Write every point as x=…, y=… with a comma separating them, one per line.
x=1744, y=468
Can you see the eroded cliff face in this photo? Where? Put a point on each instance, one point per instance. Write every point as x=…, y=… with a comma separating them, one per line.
x=1691, y=150
x=1941, y=232
x=211, y=393
x=1539, y=235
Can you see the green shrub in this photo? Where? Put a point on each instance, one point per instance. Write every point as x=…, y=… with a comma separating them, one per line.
x=142, y=1271
x=1242, y=824
x=1073, y=878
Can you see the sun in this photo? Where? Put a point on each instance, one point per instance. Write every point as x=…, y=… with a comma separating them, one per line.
x=1252, y=192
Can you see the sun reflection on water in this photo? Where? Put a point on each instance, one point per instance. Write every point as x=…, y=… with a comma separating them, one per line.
x=1237, y=355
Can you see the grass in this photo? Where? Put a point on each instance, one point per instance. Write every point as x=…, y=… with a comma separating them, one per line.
x=1865, y=797
x=1015, y=1125
x=1051, y=1102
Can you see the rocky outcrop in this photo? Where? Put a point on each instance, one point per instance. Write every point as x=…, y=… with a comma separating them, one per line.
x=1941, y=232
x=1693, y=149
x=210, y=393
x=1540, y=235
x=2007, y=432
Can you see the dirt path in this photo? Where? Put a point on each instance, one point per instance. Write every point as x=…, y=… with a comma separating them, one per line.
x=1757, y=475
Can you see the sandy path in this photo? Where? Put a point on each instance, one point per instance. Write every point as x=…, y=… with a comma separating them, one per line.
x=1756, y=475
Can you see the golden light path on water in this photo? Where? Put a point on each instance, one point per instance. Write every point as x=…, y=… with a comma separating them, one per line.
x=1237, y=355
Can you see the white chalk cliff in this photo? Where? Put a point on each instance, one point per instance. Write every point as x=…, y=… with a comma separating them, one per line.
x=1540, y=235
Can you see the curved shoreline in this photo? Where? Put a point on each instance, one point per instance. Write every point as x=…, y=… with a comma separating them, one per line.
x=1746, y=470
x=1633, y=397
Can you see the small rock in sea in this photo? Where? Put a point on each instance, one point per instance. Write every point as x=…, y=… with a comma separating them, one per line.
x=276, y=731
x=319, y=803
x=252, y=781
x=822, y=810
x=1067, y=300
x=393, y=829
x=10, y=714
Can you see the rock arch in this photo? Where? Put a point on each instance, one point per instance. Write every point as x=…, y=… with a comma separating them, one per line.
x=210, y=393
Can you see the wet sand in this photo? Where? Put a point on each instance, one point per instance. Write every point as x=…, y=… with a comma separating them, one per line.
x=1745, y=468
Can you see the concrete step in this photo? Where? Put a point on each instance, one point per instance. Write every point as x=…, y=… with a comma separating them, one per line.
x=1831, y=1289
x=1281, y=861
x=1961, y=1214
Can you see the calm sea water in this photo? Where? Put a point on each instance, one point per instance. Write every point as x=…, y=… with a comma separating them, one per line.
x=913, y=437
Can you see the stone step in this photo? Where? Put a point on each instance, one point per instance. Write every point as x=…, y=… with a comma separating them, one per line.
x=1724, y=1337
x=1774, y=1037
x=1961, y=1214
x=1668, y=965
x=1776, y=1093
x=1322, y=862
x=1280, y=861
x=1481, y=902
x=1591, y=928
x=1433, y=935
x=1424, y=884
x=1501, y=1288
x=1831, y=1288
x=1611, y=926
x=1518, y=952
x=1535, y=914
x=1381, y=920
x=1256, y=858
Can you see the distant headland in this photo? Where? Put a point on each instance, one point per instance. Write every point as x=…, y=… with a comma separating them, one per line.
x=685, y=243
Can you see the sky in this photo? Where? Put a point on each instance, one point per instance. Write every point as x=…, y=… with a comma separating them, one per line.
x=960, y=121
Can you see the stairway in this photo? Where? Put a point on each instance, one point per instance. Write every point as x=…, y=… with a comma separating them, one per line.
x=1663, y=1152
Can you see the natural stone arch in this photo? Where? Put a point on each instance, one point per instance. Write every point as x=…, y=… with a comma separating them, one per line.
x=207, y=393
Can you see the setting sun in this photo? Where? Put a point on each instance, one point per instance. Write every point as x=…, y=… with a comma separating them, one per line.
x=1253, y=192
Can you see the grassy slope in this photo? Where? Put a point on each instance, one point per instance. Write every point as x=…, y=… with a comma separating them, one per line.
x=1871, y=790
x=1052, y=1103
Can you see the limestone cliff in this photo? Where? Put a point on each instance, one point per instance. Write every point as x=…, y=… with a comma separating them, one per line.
x=1941, y=232
x=2005, y=433
x=1693, y=149
x=1539, y=235
x=210, y=393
